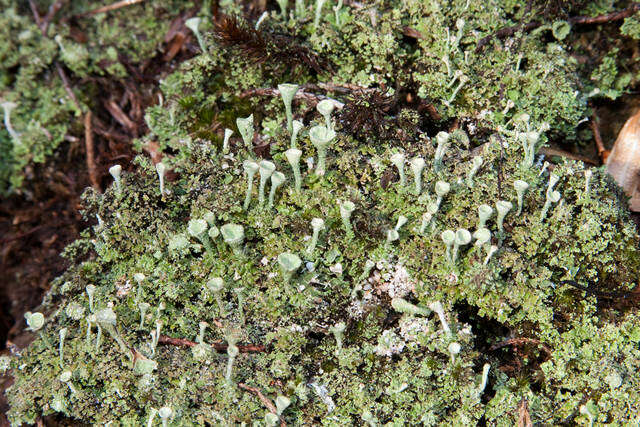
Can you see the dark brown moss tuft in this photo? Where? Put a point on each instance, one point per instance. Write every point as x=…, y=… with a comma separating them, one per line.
x=259, y=46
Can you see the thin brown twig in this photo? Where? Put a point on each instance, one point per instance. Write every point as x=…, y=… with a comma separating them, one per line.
x=301, y=94
x=36, y=15
x=218, y=346
x=521, y=341
x=575, y=20
x=550, y=151
x=608, y=17
x=88, y=143
x=59, y=69
x=524, y=419
x=265, y=401
x=67, y=85
x=51, y=13
x=109, y=8
x=602, y=152
x=120, y=116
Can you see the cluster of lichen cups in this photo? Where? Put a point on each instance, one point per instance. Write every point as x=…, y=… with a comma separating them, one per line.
x=206, y=232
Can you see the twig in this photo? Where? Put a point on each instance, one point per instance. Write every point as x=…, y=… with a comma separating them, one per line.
x=575, y=20
x=88, y=143
x=524, y=419
x=521, y=341
x=301, y=94
x=265, y=401
x=43, y=28
x=43, y=23
x=506, y=32
x=67, y=85
x=120, y=116
x=602, y=152
x=51, y=13
x=109, y=8
x=218, y=346
x=609, y=17
x=413, y=33
x=23, y=235
x=549, y=151
x=36, y=15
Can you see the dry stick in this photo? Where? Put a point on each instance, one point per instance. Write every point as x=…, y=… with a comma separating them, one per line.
x=109, y=8
x=43, y=23
x=549, y=151
x=61, y=73
x=524, y=419
x=181, y=342
x=67, y=85
x=270, y=406
x=51, y=13
x=36, y=15
x=602, y=152
x=309, y=97
x=576, y=20
x=521, y=341
x=608, y=17
x=88, y=142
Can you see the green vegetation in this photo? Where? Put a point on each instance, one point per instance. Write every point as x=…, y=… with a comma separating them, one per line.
x=378, y=298
x=90, y=49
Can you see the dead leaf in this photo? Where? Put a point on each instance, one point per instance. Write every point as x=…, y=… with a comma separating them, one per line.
x=623, y=164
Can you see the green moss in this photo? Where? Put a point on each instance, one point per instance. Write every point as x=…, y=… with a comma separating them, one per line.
x=89, y=49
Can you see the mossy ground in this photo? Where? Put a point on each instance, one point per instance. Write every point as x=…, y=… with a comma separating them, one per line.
x=393, y=368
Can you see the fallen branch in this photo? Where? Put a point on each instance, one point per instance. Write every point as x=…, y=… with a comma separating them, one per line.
x=575, y=20
x=265, y=401
x=88, y=143
x=521, y=341
x=218, y=346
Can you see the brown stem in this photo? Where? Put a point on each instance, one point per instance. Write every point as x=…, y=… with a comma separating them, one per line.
x=524, y=419
x=550, y=151
x=66, y=84
x=36, y=15
x=88, y=143
x=265, y=401
x=311, y=98
x=608, y=17
x=51, y=13
x=109, y=8
x=521, y=341
x=181, y=342
x=43, y=28
x=602, y=152
x=575, y=20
